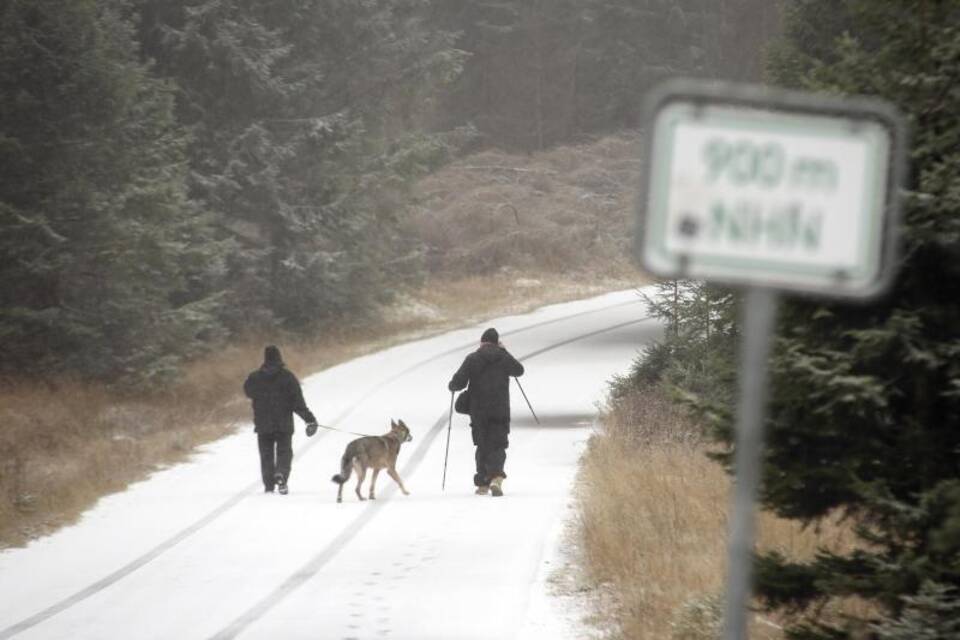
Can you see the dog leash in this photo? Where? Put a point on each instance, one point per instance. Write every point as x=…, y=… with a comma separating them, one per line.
x=353, y=433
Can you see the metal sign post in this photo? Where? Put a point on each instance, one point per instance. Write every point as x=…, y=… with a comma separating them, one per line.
x=760, y=307
x=773, y=191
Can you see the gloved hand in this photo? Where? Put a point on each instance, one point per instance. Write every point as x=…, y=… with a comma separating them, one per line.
x=311, y=428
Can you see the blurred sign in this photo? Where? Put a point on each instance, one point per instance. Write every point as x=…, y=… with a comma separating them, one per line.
x=775, y=190
x=755, y=186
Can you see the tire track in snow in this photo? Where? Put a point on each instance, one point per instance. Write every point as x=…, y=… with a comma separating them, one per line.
x=315, y=564
x=177, y=538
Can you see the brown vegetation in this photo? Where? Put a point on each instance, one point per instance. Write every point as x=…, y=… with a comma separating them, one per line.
x=563, y=211
x=653, y=524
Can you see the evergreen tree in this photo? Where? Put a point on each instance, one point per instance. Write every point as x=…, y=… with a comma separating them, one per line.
x=864, y=418
x=225, y=62
x=305, y=117
x=104, y=260
x=933, y=614
x=631, y=46
x=696, y=355
x=865, y=413
x=541, y=73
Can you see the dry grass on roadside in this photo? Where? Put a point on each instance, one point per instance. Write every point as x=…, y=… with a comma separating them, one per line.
x=653, y=525
x=64, y=446
x=61, y=449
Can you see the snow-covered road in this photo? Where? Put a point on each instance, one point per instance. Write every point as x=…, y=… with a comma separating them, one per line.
x=198, y=551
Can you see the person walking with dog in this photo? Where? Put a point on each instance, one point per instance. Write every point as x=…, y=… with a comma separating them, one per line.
x=487, y=371
x=276, y=395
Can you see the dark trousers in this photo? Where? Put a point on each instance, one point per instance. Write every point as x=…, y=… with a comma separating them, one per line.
x=276, y=454
x=491, y=439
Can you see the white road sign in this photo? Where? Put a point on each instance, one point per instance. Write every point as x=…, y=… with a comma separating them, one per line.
x=746, y=186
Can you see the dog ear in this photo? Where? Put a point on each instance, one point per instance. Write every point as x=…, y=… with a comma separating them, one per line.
x=403, y=424
x=393, y=425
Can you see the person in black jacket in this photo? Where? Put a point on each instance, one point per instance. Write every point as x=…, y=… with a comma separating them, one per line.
x=487, y=370
x=276, y=395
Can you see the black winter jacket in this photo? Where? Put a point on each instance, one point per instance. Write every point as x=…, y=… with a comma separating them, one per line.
x=276, y=395
x=488, y=371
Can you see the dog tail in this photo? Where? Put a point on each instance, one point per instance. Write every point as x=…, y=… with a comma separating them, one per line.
x=346, y=466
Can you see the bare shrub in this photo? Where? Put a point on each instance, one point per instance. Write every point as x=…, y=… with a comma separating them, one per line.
x=646, y=418
x=567, y=210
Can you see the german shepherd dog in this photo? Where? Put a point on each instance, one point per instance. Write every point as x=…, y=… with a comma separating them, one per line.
x=373, y=452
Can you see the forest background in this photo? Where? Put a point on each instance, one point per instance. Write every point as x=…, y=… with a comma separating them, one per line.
x=182, y=173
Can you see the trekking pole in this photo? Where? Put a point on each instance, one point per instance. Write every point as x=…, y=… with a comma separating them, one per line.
x=528, y=401
x=443, y=485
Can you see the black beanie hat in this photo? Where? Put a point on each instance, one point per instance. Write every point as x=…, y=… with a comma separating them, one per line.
x=271, y=355
x=491, y=336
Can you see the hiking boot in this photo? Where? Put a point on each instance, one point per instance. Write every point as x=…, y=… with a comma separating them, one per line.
x=496, y=487
x=281, y=484
x=482, y=490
